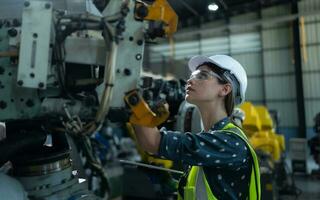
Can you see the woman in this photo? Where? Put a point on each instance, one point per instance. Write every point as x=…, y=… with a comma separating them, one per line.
x=222, y=163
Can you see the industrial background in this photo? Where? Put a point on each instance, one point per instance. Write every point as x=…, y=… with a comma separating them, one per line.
x=76, y=74
x=279, y=51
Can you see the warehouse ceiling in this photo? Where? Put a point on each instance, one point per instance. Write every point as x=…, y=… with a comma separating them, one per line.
x=195, y=12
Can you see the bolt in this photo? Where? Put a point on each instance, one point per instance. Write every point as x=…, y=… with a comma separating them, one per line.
x=133, y=99
x=41, y=85
x=2, y=70
x=1, y=85
x=20, y=82
x=142, y=11
x=12, y=32
x=130, y=38
x=127, y=72
x=3, y=104
x=35, y=35
x=26, y=4
x=29, y=103
x=32, y=75
x=47, y=6
x=138, y=56
x=139, y=42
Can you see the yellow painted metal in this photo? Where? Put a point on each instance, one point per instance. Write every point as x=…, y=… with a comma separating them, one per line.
x=142, y=114
x=265, y=118
x=262, y=141
x=160, y=10
x=267, y=125
x=259, y=127
x=251, y=123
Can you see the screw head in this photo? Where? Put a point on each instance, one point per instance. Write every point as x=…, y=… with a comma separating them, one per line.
x=138, y=56
x=2, y=70
x=20, y=82
x=127, y=72
x=47, y=6
x=41, y=85
x=26, y=4
x=139, y=42
x=133, y=99
x=3, y=104
x=12, y=32
x=29, y=103
x=142, y=11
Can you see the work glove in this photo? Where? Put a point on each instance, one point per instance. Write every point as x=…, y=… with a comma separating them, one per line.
x=142, y=114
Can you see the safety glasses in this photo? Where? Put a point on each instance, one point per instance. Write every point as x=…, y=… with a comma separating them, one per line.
x=204, y=75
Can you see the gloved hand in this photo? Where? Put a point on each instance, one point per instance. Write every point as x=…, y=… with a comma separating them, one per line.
x=142, y=114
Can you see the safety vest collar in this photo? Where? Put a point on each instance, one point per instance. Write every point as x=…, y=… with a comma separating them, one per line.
x=220, y=124
x=197, y=187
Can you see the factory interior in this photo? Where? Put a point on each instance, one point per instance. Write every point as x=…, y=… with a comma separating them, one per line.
x=98, y=99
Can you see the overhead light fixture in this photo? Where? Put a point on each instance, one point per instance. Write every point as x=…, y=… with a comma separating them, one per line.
x=213, y=7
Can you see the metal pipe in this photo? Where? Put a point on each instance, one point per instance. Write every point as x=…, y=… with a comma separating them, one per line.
x=239, y=26
x=150, y=166
x=298, y=71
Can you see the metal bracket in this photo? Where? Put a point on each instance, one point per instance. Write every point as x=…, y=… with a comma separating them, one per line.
x=35, y=43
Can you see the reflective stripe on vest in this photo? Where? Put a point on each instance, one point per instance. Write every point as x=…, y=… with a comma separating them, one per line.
x=197, y=187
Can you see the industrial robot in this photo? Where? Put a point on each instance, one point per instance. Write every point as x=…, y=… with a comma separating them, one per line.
x=69, y=72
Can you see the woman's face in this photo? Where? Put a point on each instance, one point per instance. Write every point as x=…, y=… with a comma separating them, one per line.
x=203, y=86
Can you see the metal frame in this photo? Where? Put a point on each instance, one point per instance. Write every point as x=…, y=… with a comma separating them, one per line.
x=298, y=72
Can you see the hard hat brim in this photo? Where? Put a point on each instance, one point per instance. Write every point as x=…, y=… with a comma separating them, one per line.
x=195, y=61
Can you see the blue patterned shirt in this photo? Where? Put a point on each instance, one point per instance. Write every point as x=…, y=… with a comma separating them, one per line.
x=225, y=158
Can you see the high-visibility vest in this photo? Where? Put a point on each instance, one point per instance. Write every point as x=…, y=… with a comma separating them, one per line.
x=197, y=186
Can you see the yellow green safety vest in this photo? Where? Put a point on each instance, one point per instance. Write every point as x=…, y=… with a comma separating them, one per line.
x=197, y=186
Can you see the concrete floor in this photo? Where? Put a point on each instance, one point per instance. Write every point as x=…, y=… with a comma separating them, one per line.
x=310, y=187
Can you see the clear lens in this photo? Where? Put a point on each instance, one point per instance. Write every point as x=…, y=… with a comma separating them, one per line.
x=203, y=75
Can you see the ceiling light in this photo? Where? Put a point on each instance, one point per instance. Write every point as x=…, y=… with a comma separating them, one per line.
x=213, y=7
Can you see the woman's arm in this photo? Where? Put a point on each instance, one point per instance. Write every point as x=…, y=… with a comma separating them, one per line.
x=148, y=138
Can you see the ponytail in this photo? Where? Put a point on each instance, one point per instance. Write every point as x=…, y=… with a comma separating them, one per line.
x=229, y=103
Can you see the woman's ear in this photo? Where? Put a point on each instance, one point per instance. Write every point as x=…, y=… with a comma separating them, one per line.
x=225, y=89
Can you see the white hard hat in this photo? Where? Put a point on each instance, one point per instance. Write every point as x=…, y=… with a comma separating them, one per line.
x=227, y=63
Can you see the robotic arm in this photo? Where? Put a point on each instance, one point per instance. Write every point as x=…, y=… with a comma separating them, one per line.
x=70, y=67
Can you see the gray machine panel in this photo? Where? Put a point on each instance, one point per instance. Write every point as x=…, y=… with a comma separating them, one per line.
x=35, y=40
x=10, y=9
x=15, y=102
x=128, y=56
x=85, y=51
